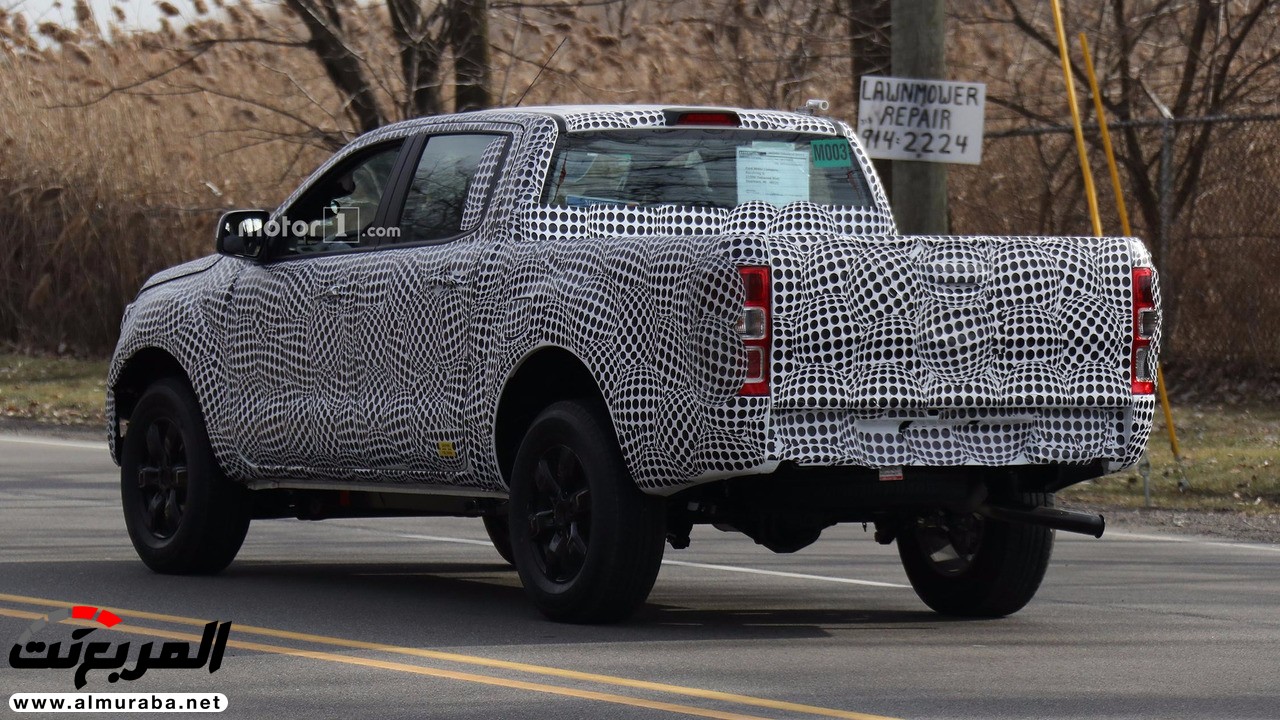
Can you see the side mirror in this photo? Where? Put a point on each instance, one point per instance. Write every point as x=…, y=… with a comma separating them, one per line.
x=242, y=233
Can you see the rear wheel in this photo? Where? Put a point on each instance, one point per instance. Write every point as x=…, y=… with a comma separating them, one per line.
x=965, y=565
x=183, y=515
x=586, y=541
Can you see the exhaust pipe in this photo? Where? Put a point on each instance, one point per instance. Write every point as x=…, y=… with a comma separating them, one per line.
x=1065, y=520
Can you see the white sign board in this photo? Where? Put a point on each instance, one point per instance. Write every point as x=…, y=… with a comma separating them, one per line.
x=926, y=120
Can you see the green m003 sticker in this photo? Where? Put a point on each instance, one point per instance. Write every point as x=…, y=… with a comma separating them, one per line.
x=834, y=153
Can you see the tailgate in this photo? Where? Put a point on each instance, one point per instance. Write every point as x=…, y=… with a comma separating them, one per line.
x=947, y=350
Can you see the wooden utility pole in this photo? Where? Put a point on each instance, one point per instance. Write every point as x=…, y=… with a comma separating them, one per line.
x=919, y=51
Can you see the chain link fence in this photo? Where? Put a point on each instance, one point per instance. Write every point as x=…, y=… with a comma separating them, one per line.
x=1204, y=193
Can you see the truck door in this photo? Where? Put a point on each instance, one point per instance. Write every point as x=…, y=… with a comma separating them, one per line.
x=415, y=340
x=291, y=368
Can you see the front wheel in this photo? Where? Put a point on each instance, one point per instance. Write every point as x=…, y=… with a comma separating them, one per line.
x=586, y=541
x=183, y=515
x=964, y=565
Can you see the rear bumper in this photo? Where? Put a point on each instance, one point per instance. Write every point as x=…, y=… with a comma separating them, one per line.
x=1111, y=438
x=821, y=496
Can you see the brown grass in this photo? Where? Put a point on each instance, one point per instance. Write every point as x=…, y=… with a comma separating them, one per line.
x=53, y=390
x=1230, y=462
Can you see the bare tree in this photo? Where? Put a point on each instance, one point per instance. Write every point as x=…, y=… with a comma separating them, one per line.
x=1164, y=67
x=1193, y=58
x=769, y=50
x=422, y=31
x=469, y=39
x=869, y=22
x=381, y=63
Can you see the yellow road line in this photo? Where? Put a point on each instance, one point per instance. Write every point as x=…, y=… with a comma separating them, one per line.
x=488, y=662
x=416, y=670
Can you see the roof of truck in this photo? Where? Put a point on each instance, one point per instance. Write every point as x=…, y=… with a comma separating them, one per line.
x=579, y=118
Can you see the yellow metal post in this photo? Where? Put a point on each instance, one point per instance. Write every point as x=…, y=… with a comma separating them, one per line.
x=1124, y=223
x=1168, y=414
x=1106, y=138
x=1089, y=192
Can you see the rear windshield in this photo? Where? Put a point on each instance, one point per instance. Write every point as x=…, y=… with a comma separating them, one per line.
x=712, y=168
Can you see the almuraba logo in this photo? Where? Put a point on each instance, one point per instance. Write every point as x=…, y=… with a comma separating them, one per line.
x=30, y=653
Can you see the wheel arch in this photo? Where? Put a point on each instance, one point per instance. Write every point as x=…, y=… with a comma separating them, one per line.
x=546, y=374
x=142, y=368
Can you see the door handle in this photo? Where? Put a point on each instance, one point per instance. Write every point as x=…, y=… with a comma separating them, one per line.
x=333, y=294
x=451, y=280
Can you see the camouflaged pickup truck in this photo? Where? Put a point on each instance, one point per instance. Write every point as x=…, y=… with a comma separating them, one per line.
x=595, y=327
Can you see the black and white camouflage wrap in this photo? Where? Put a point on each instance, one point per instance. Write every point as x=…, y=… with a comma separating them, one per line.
x=887, y=350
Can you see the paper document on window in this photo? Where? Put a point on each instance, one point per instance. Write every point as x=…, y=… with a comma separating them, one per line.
x=774, y=175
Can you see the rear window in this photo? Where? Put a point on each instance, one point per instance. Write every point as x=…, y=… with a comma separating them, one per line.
x=712, y=168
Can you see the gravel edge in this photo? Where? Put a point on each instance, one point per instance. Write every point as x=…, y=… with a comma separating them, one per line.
x=1204, y=524
x=27, y=426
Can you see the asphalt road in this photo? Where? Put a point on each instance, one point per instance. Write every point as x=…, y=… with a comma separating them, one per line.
x=419, y=618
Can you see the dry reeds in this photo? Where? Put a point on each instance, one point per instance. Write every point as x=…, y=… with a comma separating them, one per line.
x=100, y=190
x=103, y=188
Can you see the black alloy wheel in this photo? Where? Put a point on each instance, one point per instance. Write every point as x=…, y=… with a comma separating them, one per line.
x=162, y=479
x=183, y=515
x=586, y=541
x=950, y=541
x=965, y=565
x=560, y=517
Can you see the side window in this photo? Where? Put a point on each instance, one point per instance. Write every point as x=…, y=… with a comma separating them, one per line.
x=450, y=186
x=338, y=210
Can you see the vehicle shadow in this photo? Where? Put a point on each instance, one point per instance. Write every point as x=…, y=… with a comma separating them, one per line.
x=790, y=619
x=510, y=619
x=441, y=604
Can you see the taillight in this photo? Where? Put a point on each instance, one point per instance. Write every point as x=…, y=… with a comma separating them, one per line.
x=754, y=329
x=1144, y=329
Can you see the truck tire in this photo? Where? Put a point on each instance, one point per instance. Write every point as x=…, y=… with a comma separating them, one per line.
x=183, y=515
x=499, y=531
x=586, y=541
x=968, y=566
